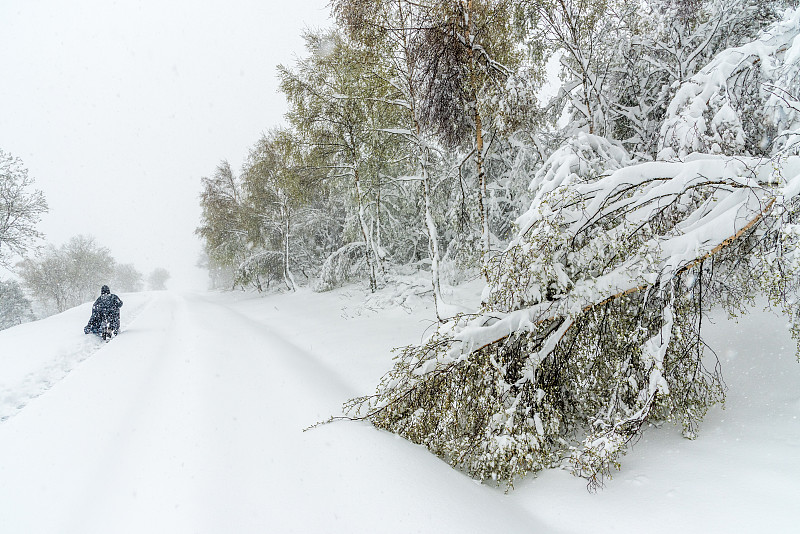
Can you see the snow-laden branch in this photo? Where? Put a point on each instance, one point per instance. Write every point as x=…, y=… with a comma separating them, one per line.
x=704, y=114
x=591, y=318
x=711, y=200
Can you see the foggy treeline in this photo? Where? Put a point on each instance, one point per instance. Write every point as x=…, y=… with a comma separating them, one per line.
x=63, y=277
x=50, y=279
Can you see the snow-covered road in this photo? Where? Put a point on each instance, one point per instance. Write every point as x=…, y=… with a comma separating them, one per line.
x=191, y=421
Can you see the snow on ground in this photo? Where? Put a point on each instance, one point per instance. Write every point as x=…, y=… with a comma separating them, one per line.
x=191, y=421
x=34, y=356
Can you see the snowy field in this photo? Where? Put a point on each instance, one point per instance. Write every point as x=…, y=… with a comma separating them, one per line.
x=192, y=421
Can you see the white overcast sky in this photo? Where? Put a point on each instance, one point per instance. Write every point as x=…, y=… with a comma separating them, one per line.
x=118, y=108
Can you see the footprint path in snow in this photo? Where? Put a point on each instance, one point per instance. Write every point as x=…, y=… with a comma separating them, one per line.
x=14, y=397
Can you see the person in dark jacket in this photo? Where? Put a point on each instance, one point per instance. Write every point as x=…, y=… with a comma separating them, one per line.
x=106, y=307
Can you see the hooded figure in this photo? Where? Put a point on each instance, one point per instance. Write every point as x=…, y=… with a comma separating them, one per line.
x=106, y=307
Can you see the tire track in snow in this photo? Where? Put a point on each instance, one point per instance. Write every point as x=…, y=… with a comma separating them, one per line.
x=192, y=406
x=302, y=362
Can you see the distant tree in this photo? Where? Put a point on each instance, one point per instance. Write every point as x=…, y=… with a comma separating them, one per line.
x=224, y=225
x=219, y=276
x=20, y=208
x=157, y=280
x=89, y=267
x=127, y=278
x=15, y=308
x=45, y=277
x=69, y=275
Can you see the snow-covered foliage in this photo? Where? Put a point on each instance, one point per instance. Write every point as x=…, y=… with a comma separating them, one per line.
x=622, y=61
x=342, y=266
x=591, y=325
x=743, y=102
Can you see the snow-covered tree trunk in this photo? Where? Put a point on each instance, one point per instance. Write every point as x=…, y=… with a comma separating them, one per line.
x=422, y=152
x=483, y=201
x=377, y=241
x=287, y=271
x=483, y=205
x=365, y=232
x=433, y=244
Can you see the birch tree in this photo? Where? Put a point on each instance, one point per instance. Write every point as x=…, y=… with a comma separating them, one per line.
x=276, y=189
x=466, y=51
x=443, y=76
x=329, y=94
x=392, y=30
x=224, y=224
x=20, y=209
